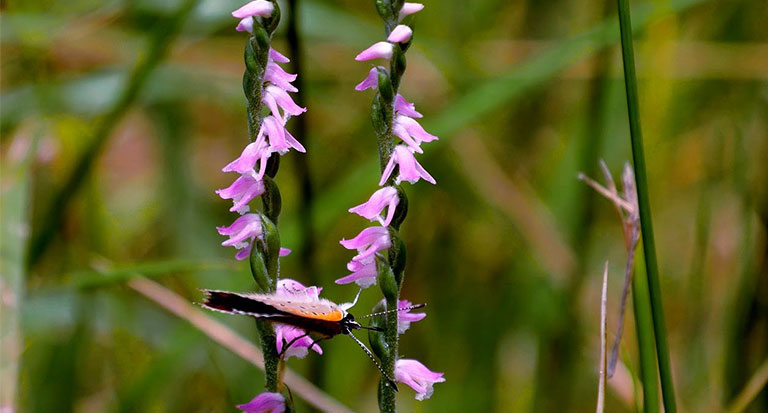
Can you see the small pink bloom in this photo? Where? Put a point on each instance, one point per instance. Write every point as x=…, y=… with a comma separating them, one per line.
x=400, y=34
x=261, y=8
x=246, y=252
x=245, y=25
x=368, y=242
x=242, y=191
x=411, y=132
x=405, y=318
x=370, y=82
x=418, y=376
x=363, y=274
x=254, y=152
x=264, y=403
x=279, y=77
x=410, y=170
x=404, y=107
x=384, y=197
x=380, y=50
x=277, y=56
x=242, y=232
x=280, y=140
x=275, y=97
x=410, y=8
x=299, y=348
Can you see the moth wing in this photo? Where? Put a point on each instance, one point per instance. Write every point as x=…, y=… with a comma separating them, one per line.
x=246, y=304
x=320, y=309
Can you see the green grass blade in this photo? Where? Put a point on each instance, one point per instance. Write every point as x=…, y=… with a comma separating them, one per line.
x=641, y=180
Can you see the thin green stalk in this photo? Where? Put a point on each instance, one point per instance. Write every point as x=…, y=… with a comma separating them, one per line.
x=159, y=44
x=644, y=327
x=641, y=180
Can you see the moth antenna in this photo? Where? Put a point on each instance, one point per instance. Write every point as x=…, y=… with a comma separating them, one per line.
x=373, y=359
x=347, y=306
x=410, y=307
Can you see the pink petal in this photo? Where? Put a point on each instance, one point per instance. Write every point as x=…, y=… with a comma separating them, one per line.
x=245, y=25
x=364, y=275
x=284, y=252
x=400, y=34
x=261, y=8
x=380, y=50
x=380, y=199
x=263, y=403
x=403, y=134
x=410, y=8
x=277, y=56
x=417, y=376
x=365, y=238
x=403, y=107
x=370, y=82
x=279, y=77
x=387, y=170
x=410, y=169
x=414, y=129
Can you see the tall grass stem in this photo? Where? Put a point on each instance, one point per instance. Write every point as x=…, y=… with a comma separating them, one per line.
x=641, y=180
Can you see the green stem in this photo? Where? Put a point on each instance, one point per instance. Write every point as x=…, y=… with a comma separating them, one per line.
x=641, y=180
x=645, y=339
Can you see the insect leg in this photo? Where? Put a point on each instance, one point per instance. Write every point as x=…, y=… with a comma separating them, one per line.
x=289, y=344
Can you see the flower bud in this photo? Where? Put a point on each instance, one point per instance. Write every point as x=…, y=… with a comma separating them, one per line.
x=259, y=268
x=379, y=115
x=402, y=208
x=385, y=85
x=387, y=282
x=251, y=59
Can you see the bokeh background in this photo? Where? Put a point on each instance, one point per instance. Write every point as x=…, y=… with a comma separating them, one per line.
x=109, y=177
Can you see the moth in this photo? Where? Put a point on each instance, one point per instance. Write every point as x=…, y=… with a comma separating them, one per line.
x=320, y=316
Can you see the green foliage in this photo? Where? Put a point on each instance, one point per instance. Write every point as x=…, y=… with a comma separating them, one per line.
x=528, y=93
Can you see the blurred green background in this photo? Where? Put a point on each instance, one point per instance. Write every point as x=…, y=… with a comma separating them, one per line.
x=507, y=249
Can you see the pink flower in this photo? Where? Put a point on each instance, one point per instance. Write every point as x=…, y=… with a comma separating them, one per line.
x=411, y=132
x=275, y=97
x=384, y=197
x=245, y=25
x=370, y=82
x=400, y=34
x=277, y=56
x=410, y=8
x=368, y=242
x=261, y=8
x=363, y=274
x=242, y=191
x=279, y=77
x=264, y=403
x=280, y=140
x=246, y=252
x=242, y=232
x=418, y=376
x=287, y=287
x=406, y=317
x=380, y=50
x=254, y=152
x=404, y=107
x=410, y=170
